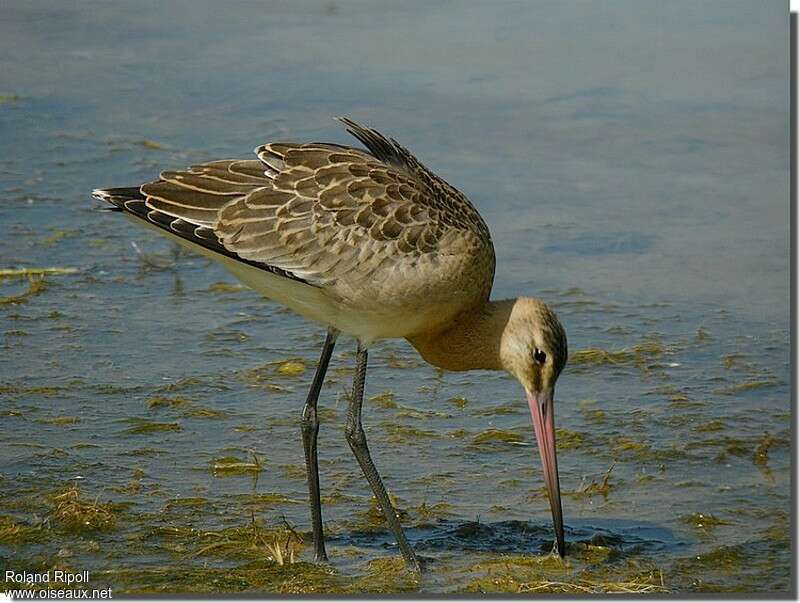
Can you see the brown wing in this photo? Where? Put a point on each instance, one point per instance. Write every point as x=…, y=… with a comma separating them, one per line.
x=334, y=213
x=330, y=213
x=186, y=203
x=322, y=213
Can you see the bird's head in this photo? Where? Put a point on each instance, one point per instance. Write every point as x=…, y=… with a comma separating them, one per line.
x=534, y=345
x=533, y=349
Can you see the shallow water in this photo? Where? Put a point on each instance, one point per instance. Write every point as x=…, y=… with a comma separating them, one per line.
x=631, y=162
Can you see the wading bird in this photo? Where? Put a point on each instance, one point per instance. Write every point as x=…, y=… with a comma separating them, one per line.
x=372, y=244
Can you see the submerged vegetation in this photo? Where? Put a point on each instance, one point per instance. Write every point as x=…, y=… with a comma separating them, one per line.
x=642, y=355
x=205, y=471
x=577, y=574
x=231, y=465
x=76, y=512
x=36, y=285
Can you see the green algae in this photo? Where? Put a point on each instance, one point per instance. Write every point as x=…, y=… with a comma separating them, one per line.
x=224, y=287
x=494, y=436
x=523, y=563
x=15, y=533
x=264, y=500
x=55, y=237
x=701, y=334
x=426, y=512
x=723, y=560
x=745, y=567
x=690, y=483
x=416, y=413
x=568, y=439
x=624, y=444
x=499, y=410
x=231, y=465
x=149, y=144
x=264, y=577
x=596, y=356
x=187, y=383
x=147, y=451
x=143, y=426
x=549, y=574
x=193, y=502
x=35, y=272
x=730, y=361
x=761, y=454
x=76, y=513
x=458, y=401
x=252, y=542
x=383, y=400
x=291, y=368
x=337, y=497
x=680, y=402
x=636, y=355
x=405, y=433
x=594, y=488
x=227, y=336
x=293, y=471
x=36, y=286
x=134, y=486
x=704, y=521
x=199, y=412
x=62, y=420
x=395, y=361
x=713, y=425
x=160, y=401
x=374, y=519
x=384, y=575
x=27, y=445
x=595, y=415
x=266, y=373
x=243, y=428
x=649, y=583
x=755, y=448
x=747, y=386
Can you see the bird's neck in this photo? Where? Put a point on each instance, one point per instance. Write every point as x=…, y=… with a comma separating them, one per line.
x=472, y=341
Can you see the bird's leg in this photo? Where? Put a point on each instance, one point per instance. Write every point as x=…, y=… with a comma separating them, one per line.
x=309, y=426
x=358, y=444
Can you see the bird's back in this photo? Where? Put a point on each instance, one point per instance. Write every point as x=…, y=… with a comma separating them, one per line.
x=389, y=248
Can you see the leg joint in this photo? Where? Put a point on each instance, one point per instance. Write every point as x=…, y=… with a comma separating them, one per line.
x=355, y=435
x=309, y=420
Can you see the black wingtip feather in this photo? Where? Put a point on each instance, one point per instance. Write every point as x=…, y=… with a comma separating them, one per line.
x=132, y=201
x=117, y=196
x=381, y=147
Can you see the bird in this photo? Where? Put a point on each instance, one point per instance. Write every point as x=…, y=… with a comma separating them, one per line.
x=370, y=243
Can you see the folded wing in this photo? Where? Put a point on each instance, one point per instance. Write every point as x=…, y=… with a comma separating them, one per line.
x=317, y=212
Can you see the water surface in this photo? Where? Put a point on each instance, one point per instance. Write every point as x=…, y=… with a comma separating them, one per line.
x=631, y=161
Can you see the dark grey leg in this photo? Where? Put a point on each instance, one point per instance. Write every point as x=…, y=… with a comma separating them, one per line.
x=309, y=425
x=358, y=444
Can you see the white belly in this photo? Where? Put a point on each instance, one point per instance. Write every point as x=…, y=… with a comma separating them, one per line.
x=314, y=303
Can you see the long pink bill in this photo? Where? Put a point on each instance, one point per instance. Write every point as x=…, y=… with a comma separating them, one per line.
x=541, y=404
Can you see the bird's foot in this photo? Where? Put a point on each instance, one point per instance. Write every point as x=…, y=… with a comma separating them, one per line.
x=413, y=563
x=320, y=558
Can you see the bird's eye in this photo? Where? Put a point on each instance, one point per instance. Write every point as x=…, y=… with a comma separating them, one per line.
x=539, y=356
